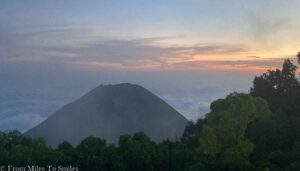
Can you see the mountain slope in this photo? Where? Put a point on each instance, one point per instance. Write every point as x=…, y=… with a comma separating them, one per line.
x=110, y=111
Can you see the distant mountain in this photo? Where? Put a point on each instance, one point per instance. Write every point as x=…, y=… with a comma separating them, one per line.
x=109, y=111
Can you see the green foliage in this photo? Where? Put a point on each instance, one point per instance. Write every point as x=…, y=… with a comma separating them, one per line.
x=92, y=153
x=228, y=120
x=209, y=143
x=21, y=150
x=267, y=136
x=223, y=135
x=295, y=166
x=67, y=153
x=276, y=139
x=236, y=157
x=138, y=152
x=192, y=133
x=280, y=88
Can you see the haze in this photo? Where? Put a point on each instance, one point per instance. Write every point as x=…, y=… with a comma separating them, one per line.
x=187, y=52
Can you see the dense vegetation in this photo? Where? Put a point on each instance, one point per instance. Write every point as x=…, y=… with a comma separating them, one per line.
x=256, y=131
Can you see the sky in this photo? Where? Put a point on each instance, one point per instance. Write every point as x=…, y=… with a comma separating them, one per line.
x=187, y=52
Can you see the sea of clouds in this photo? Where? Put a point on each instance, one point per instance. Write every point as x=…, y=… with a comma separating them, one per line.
x=27, y=98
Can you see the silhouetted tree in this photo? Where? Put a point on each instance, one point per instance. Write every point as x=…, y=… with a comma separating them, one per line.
x=91, y=154
x=192, y=133
x=67, y=154
x=275, y=138
x=281, y=89
x=138, y=152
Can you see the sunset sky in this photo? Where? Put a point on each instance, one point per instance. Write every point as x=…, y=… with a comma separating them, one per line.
x=188, y=52
x=247, y=35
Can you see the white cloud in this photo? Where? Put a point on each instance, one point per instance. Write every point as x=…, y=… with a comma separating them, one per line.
x=79, y=45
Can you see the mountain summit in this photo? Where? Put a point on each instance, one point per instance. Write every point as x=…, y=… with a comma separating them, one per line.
x=109, y=111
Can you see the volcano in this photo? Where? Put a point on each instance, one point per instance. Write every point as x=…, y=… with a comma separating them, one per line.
x=109, y=111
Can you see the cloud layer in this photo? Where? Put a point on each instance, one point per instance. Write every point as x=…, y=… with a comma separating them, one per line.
x=82, y=47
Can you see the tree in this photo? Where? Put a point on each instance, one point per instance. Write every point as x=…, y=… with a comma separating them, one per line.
x=268, y=135
x=275, y=138
x=67, y=154
x=3, y=151
x=192, y=133
x=138, y=152
x=280, y=87
x=92, y=154
x=224, y=130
